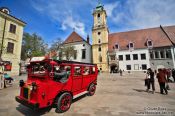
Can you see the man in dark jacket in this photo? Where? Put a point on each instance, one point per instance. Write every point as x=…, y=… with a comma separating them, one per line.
x=162, y=80
x=150, y=80
x=173, y=74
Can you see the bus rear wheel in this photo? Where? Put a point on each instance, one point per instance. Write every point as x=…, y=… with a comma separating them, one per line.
x=64, y=102
x=91, y=90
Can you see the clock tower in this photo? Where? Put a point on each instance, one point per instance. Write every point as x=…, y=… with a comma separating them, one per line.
x=100, y=38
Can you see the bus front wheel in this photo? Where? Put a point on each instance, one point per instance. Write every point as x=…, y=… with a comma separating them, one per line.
x=64, y=102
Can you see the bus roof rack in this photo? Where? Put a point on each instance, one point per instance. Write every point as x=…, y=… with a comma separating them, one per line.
x=71, y=62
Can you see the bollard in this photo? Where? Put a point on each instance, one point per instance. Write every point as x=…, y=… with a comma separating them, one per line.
x=1, y=81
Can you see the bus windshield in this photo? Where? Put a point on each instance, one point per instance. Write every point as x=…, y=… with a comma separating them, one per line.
x=39, y=68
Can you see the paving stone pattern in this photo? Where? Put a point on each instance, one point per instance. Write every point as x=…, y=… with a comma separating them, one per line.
x=115, y=96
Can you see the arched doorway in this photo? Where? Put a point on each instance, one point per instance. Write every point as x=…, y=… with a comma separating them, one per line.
x=113, y=68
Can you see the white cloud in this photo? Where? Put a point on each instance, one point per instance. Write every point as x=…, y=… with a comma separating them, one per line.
x=64, y=12
x=110, y=8
x=77, y=25
x=144, y=13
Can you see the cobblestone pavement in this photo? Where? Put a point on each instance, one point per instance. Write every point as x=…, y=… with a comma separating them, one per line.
x=115, y=96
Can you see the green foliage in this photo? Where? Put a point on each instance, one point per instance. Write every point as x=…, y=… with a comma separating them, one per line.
x=68, y=52
x=34, y=43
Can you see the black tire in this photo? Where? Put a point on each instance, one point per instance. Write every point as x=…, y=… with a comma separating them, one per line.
x=64, y=102
x=91, y=90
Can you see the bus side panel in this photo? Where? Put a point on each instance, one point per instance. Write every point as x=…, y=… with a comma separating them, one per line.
x=87, y=79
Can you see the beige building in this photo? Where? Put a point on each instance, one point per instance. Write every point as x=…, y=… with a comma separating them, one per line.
x=100, y=38
x=11, y=32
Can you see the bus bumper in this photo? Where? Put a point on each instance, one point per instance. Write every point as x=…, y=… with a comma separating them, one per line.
x=33, y=106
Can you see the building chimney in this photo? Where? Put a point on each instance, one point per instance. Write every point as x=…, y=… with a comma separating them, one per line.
x=88, y=39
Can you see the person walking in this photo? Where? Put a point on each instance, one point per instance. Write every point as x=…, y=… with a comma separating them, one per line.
x=120, y=72
x=161, y=76
x=173, y=74
x=150, y=80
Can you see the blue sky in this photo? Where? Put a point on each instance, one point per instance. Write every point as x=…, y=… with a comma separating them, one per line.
x=53, y=19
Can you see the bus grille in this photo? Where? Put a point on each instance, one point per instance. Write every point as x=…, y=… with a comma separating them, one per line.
x=25, y=93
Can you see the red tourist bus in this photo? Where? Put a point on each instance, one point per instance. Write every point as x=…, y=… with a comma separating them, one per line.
x=52, y=82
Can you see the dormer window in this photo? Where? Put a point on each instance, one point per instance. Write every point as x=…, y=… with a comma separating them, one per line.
x=149, y=43
x=131, y=45
x=116, y=46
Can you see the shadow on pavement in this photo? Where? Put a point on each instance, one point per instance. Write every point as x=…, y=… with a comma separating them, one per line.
x=29, y=112
x=140, y=90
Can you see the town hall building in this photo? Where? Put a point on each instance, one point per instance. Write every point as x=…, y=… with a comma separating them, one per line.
x=134, y=50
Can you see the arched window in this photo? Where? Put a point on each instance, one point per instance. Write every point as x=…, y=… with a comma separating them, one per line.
x=99, y=48
x=99, y=41
x=98, y=15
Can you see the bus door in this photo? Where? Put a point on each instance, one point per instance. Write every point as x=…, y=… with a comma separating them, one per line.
x=77, y=78
x=87, y=76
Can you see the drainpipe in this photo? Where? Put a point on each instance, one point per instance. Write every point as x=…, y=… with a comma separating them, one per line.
x=170, y=41
x=3, y=38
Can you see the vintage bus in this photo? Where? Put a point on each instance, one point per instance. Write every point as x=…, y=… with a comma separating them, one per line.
x=52, y=82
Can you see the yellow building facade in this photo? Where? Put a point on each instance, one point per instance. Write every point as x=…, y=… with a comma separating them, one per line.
x=100, y=38
x=11, y=32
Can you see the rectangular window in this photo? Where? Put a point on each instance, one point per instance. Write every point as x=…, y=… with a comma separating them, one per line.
x=162, y=55
x=151, y=55
x=10, y=47
x=83, y=53
x=77, y=70
x=86, y=70
x=143, y=56
x=144, y=67
x=168, y=54
x=92, y=70
x=128, y=67
x=156, y=54
x=128, y=57
x=136, y=67
x=135, y=57
x=12, y=28
x=120, y=57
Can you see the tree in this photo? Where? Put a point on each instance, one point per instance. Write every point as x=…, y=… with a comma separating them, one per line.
x=33, y=43
x=56, y=49
x=68, y=52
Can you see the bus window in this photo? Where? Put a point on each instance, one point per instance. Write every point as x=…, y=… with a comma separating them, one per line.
x=92, y=70
x=77, y=70
x=86, y=71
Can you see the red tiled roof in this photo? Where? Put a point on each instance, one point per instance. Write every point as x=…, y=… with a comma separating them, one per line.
x=73, y=37
x=140, y=37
